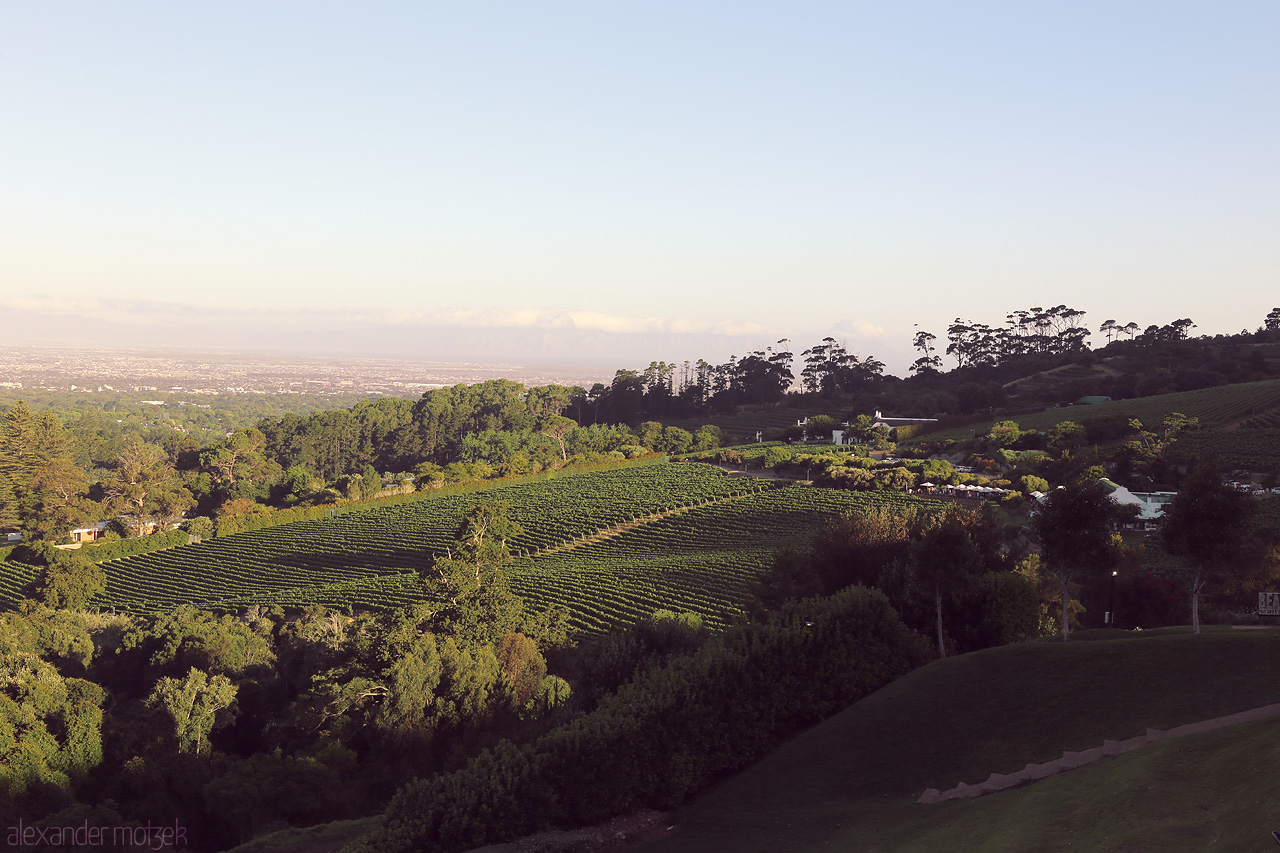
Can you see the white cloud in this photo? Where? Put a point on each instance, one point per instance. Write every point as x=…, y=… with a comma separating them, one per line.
x=148, y=313
x=861, y=328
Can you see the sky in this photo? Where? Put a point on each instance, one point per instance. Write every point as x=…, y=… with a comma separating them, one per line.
x=630, y=182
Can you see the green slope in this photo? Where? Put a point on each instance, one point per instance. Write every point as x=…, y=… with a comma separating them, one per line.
x=703, y=560
x=851, y=783
x=364, y=546
x=1214, y=407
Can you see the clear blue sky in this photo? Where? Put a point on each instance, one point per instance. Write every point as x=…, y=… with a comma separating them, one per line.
x=761, y=170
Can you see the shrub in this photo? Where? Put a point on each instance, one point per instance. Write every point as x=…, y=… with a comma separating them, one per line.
x=1000, y=608
x=1154, y=602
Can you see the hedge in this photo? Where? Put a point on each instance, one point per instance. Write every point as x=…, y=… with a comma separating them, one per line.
x=669, y=733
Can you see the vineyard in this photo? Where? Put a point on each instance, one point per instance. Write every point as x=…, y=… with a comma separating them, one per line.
x=1266, y=420
x=1248, y=449
x=363, y=547
x=1215, y=407
x=611, y=546
x=14, y=577
x=703, y=560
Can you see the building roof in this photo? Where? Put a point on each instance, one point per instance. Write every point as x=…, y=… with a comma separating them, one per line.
x=1150, y=504
x=881, y=420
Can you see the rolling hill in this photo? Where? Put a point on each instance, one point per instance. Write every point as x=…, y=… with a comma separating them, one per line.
x=851, y=782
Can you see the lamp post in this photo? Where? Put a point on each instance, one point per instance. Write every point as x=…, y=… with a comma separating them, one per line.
x=1111, y=605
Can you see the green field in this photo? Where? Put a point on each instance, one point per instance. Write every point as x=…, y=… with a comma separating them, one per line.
x=1214, y=407
x=851, y=782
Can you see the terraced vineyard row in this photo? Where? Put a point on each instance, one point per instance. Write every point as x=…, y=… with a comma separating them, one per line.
x=1213, y=406
x=1249, y=449
x=14, y=578
x=1266, y=420
x=703, y=560
x=390, y=540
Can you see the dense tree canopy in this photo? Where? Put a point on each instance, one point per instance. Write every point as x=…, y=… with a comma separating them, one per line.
x=1073, y=527
x=1208, y=524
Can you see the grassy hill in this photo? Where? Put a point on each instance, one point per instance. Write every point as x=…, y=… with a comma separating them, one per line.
x=746, y=422
x=851, y=782
x=1215, y=407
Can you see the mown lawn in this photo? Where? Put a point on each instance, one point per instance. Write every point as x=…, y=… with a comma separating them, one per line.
x=851, y=783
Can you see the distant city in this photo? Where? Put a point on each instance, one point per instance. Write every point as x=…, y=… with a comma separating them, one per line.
x=204, y=372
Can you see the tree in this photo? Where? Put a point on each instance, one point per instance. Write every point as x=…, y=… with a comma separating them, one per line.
x=523, y=666
x=1066, y=436
x=1073, y=527
x=17, y=462
x=59, y=501
x=196, y=705
x=708, y=437
x=70, y=581
x=548, y=401
x=928, y=362
x=556, y=427
x=943, y=560
x=240, y=456
x=50, y=726
x=1032, y=483
x=898, y=479
x=1004, y=434
x=370, y=481
x=863, y=429
x=1272, y=322
x=468, y=584
x=41, y=488
x=1205, y=524
x=143, y=485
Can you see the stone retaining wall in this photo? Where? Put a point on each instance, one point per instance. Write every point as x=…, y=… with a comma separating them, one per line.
x=1072, y=760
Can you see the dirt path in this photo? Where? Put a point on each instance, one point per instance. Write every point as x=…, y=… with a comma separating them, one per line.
x=619, y=529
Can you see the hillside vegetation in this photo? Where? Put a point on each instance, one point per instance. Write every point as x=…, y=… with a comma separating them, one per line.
x=612, y=547
x=851, y=782
x=1215, y=407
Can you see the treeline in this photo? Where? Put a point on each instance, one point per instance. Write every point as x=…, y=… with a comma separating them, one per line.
x=954, y=575
x=294, y=464
x=499, y=422
x=1144, y=361
x=1141, y=362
